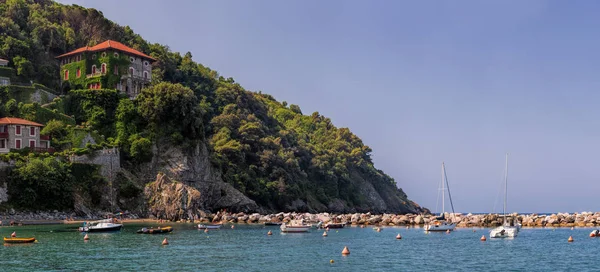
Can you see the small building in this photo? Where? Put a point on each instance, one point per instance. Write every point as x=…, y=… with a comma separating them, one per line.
x=5, y=73
x=17, y=133
x=108, y=65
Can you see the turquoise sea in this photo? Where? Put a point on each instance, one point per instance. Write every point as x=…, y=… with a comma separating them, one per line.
x=249, y=248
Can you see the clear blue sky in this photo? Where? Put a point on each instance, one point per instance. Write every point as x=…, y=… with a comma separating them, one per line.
x=421, y=82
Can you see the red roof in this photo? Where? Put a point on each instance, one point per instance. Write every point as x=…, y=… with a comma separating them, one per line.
x=18, y=121
x=3, y=60
x=109, y=44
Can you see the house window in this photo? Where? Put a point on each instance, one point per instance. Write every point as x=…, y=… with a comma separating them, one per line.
x=18, y=143
x=131, y=70
x=93, y=56
x=103, y=54
x=66, y=74
x=146, y=74
x=32, y=143
x=116, y=55
x=132, y=59
x=145, y=63
x=116, y=70
x=18, y=130
x=103, y=68
x=78, y=73
x=93, y=69
x=31, y=131
x=2, y=143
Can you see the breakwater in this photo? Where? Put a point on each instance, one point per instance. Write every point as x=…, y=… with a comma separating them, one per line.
x=583, y=219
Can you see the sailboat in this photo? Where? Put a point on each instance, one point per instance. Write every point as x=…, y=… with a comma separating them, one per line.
x=507, y=229
x=440, y=223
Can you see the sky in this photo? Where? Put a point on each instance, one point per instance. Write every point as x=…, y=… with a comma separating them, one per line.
x=420, y=82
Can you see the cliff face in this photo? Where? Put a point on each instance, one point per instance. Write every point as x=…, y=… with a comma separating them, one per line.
x=192, y=169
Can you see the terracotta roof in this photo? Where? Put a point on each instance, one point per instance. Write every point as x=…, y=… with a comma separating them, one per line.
x=109, y=44
x=3, y=60
x=18, y=121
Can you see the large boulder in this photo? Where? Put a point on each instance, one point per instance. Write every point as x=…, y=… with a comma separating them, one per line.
x=172, y=200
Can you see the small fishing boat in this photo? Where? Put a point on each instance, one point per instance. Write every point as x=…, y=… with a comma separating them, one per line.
x=101, y=226
x=272, y=223
x=335, y=225
x=294, y=226
x=18, y=240
x=209, y=226
x=156, y=230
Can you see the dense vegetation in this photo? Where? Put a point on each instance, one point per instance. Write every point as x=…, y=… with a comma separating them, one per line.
x=266, y=149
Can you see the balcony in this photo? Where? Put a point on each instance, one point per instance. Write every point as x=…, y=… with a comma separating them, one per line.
x=42, y=137
x=3, y=135
x=96, y=74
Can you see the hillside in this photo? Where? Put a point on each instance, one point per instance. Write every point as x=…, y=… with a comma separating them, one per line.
x=269, y=151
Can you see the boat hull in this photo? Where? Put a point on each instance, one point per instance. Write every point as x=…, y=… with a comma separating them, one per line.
x=18, y=240
x=504, y=232
x=201, y=226
x=272, y=224
x=294, y=229
x=440, y=227
x=335, y=225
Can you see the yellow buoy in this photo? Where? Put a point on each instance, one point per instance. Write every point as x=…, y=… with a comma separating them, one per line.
x=86, y=237
x=269, y=233
x=570, y=239
x=324, y=234
x=346, y=251
x=165, y=242
x=482, y=238
x=331, y=261
x=14, y=234
x=398, y=236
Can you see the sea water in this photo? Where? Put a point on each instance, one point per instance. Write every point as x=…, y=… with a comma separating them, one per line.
x=249, y=248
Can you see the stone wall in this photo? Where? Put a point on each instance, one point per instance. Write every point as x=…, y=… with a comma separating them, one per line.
x=108, y=159
x=42, y=97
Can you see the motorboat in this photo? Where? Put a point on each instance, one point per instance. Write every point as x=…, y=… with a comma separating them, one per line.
x=102, y=226
x=294, y=226
x=157, y=230
x=209, y=226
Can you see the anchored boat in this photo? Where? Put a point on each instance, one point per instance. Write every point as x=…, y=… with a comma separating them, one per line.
x=155, y=230
x=294, y=226
x=209, y=226
x=19, y=240
x=509, y=228
x=440, y=223
x=101, y=226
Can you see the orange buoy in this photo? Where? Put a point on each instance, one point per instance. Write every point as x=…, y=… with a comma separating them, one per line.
x=346, y=251
x=570, y=239
x=398, y=237
x=165, y=242
x=324, y=234
x=269, y=233
x=593, y=234
x=206, y=230
x=86, y=237
x=14, y=234
x=447, y=231
x=482, y=238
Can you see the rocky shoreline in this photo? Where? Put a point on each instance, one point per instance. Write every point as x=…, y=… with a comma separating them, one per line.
x=583, y=219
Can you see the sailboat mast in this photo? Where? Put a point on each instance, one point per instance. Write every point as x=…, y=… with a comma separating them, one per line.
x=443, y=189
x=505, y=187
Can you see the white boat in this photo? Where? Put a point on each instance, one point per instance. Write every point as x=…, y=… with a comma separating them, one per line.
x=440, y=223
x=209, y=226
x=294, y=226
x=509, y=228
x=101, y=225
